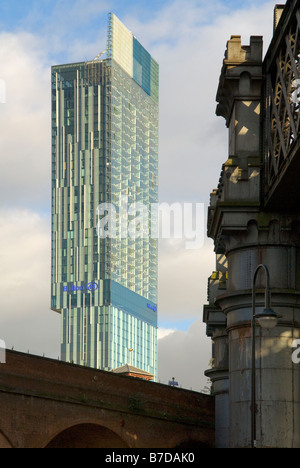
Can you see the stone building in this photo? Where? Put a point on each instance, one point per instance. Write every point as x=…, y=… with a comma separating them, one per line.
x=254, y=220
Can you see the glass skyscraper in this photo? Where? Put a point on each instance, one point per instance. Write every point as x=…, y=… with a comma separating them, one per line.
x=105, y=150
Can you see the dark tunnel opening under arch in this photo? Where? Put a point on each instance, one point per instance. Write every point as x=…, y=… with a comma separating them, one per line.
x=87, y=436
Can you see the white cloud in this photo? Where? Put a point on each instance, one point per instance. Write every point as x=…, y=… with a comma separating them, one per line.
x=25, y=121
x=26, y=321
x=183, y=276
x=70, y=31
x=185, y=356
x=163, y=332
x=189, y=41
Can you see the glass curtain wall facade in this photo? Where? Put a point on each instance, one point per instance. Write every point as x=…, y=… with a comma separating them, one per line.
x=105, y=150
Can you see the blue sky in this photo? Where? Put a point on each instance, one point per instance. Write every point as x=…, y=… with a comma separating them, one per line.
x=188, y=39
x=86, y=19
x=16, y=14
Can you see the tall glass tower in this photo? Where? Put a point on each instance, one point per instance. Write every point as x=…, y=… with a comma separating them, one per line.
x=105, y=150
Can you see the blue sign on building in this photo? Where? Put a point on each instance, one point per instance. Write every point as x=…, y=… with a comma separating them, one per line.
x=89, y=287
x=152, y=307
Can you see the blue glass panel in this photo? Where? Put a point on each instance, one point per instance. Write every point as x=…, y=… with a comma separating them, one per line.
x=141, y=66
x=133, y=303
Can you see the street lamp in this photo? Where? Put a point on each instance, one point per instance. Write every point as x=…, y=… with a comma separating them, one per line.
x=267, y=319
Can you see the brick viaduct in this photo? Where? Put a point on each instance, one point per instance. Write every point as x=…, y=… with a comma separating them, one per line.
x=50, y=404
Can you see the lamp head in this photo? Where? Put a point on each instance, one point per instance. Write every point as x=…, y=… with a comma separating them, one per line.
x=267, y=319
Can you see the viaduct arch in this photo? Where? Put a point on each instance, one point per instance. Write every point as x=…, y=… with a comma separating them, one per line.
x=47, y=403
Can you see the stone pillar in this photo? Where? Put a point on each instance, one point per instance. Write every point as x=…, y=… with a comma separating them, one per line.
x=249, y=236
x=215, y=320
x=277, y=377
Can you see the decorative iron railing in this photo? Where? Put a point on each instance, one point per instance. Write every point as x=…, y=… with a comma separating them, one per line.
x=281, y=98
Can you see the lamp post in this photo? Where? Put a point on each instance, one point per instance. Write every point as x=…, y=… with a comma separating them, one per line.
x=130, y=351
x=267, y=320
